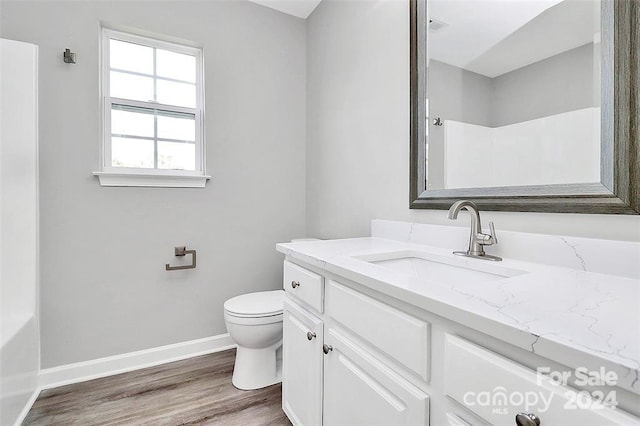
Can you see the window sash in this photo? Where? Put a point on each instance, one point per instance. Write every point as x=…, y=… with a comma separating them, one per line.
x=151, y=106
x=156, y=112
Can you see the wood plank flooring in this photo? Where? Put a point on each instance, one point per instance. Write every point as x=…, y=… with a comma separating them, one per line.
x=196, y=391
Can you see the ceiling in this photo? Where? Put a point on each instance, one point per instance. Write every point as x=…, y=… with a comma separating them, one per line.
x=300, y=8
x=492, y=37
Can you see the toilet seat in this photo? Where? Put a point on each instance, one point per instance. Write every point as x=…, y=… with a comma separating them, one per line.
x=255, y=305
x=253, y=321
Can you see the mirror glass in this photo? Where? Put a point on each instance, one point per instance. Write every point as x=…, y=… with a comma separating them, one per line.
x=513, y=93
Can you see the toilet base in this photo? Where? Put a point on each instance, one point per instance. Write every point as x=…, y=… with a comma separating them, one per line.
x=257, y=368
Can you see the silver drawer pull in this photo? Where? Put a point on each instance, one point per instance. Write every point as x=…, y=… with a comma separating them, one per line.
x=326, y=348
x=295, y=284
x=310, y=335
x=527, y=419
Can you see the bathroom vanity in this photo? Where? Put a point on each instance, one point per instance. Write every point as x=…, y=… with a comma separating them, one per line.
x=394, y=329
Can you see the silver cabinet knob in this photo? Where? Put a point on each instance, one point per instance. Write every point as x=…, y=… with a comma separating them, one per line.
x=326, y=348
x=295, y=284
x=527, y=419
x=310, y=335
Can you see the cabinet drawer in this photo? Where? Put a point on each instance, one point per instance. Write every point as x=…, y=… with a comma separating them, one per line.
x=398, y=335
x=304, y=285
x=496, y=389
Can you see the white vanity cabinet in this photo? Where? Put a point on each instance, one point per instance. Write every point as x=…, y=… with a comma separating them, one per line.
x=417, y=335
x=353, y=356
x=329, y=378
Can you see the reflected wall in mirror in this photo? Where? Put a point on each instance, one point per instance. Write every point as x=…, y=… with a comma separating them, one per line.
x=520, y=105
x=517, y=105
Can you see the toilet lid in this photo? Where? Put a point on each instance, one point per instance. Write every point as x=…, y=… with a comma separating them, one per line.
x=260, y=304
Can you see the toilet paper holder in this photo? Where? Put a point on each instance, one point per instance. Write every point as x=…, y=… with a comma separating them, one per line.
x=182, y=251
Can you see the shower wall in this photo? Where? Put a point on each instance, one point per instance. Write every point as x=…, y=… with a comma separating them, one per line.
x=19, y=331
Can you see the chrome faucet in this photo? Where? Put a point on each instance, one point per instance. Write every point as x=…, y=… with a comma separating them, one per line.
x=477, y=240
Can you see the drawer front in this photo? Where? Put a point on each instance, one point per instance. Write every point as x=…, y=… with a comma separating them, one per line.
x=304, y=285
x=496, y=389
x=398, y=335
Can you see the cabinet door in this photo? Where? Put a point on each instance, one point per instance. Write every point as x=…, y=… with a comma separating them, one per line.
x=302, y=366
x=360, y=390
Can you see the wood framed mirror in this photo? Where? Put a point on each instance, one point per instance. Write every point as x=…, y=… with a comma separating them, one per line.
x=611, y=184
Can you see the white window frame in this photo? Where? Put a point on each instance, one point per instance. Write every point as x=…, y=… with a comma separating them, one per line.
x=131, y=176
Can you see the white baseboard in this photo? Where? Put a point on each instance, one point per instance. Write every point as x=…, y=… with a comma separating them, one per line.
x=27, y=407
x=108, y=366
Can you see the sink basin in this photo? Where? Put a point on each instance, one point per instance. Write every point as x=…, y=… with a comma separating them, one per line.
x=447, y=269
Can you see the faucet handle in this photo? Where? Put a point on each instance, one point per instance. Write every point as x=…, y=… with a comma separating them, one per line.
x=488, y=239
x=492, y=232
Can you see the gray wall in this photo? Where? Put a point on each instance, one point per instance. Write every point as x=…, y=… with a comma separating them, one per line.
x=358, y=169
x=104, y=290
x=357, y=115
x=558, y=84
x=561, y=83
x=458, y=95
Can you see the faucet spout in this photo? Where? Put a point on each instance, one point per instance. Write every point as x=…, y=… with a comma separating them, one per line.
x=469, y=206
x=477, y=240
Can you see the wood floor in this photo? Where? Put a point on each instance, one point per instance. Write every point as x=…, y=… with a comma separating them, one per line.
x=196, y=391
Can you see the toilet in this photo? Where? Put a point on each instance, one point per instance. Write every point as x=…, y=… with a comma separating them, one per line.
x=254, y=322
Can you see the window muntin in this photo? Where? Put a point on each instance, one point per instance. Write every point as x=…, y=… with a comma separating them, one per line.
x=153, y=97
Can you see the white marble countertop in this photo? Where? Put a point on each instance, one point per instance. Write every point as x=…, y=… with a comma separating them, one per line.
x=573, y=317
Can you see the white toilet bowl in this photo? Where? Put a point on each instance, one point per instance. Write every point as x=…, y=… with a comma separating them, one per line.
x=254, y=322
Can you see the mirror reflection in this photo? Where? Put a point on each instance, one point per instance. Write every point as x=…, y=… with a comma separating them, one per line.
x=513, y=90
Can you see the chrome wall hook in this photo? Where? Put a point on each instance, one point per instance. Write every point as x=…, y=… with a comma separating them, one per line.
x=69, y=57
x=181, y=251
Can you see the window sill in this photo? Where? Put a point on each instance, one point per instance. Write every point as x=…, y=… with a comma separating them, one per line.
x=151, y=180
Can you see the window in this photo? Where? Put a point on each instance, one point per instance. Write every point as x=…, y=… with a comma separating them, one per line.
x=153, y=103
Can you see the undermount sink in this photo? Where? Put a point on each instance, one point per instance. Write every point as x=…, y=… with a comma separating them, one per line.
x=439, y=268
